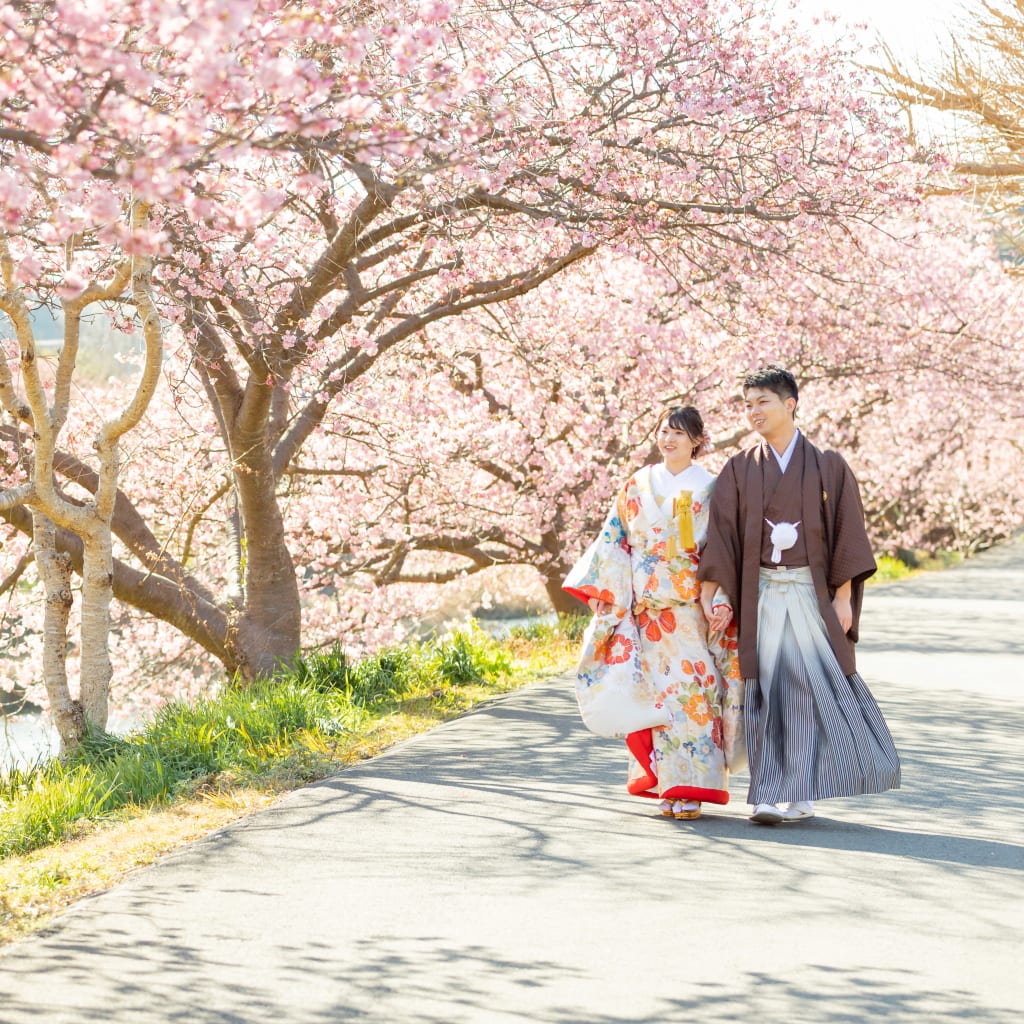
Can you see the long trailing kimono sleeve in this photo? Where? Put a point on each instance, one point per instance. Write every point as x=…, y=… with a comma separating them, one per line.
x=644, y=564
x=615, y=695
x=604, y=571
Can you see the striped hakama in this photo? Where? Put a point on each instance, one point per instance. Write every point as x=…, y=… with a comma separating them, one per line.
x=812, y=732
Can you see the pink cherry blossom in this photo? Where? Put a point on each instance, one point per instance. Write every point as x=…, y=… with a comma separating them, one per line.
x=434, y=267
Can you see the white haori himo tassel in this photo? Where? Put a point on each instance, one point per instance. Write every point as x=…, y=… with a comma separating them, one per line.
x=783, y=537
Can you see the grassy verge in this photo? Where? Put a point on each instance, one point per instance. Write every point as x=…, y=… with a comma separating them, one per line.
x=891, y=568
x=74, y=827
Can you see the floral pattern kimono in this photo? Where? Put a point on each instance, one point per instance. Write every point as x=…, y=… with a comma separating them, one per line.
x=645, y=561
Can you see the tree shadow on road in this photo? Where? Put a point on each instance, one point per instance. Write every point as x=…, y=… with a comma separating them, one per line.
x=500, y=806
x=430, y=979
x=958, y=779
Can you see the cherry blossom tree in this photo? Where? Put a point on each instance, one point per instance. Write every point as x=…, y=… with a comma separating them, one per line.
x=906, y=341
x=94, y=135
x=38, y=502
x=505, y=443
x=912, y=364
x=612, y=124
x=327, y=182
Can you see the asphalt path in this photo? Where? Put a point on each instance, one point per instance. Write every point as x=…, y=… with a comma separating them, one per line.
x=495, y=870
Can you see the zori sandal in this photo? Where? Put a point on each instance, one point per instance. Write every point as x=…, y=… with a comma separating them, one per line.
x=686, y=811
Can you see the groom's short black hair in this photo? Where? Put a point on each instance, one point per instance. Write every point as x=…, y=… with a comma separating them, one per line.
x=772, y=378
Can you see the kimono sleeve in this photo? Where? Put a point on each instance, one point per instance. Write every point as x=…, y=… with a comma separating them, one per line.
x=605, y=571
x=850, y=557
x=721, y=558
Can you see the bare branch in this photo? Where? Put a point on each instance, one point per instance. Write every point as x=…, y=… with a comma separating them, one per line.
x=355, y=362
x=17, y=572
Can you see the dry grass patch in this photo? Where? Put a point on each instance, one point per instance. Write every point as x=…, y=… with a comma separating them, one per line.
x=36, y=886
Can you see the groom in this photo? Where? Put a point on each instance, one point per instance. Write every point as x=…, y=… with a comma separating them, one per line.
x=788, y=544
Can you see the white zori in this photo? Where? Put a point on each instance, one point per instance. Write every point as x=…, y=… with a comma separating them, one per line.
x=783, y=537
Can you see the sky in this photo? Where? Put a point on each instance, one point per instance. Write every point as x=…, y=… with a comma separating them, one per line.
x=914, y=29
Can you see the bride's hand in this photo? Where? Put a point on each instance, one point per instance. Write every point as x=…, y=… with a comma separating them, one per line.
x=720, y=617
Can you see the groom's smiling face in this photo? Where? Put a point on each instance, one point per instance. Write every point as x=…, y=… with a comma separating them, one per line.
x=767, y=413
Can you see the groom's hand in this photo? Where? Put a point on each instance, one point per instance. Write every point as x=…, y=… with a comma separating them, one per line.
x=843, y=607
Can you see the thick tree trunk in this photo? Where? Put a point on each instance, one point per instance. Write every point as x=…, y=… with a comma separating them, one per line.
x=563, y=603
x=267, y=630
x=556, y=571
x=55, y=572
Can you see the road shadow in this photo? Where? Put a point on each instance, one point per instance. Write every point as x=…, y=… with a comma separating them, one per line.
x=499, y=808
x=557, y=774
x=449, y=983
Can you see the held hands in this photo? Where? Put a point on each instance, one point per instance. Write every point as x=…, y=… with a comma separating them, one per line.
x=719, y=617
x=599, y=607
x=717, y=611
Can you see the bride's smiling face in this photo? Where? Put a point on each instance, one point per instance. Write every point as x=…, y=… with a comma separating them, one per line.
x=674, y=443
x=679, y=435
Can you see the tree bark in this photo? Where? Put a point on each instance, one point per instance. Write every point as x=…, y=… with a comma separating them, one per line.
x=90, y=520
x=266, y=630
x=55, y=572
x=563, y=603
x=174, y=602
x=97, y=591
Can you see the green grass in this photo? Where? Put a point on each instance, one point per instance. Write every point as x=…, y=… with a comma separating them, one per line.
x=37, y=806
x=299, y=725
x=567, y=627
x=890, y=568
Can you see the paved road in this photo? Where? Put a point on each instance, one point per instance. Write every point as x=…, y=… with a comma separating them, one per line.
x=494, y=871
